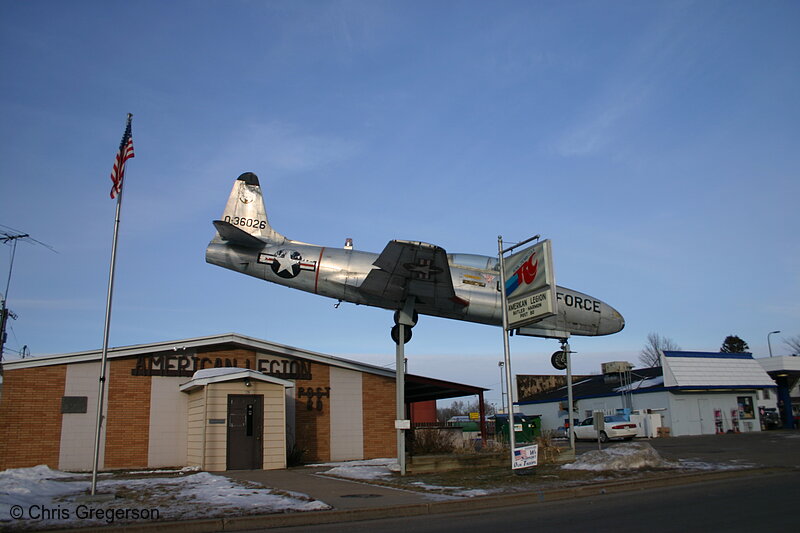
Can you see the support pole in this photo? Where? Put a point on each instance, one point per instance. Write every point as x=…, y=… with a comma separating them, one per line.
x=400, y=385
x=506, y=351
x=568, y=356
x=405, y=319
x=482, y=415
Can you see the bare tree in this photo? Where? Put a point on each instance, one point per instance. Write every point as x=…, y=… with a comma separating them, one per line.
x=456, y=408
x=794, y=344
x=461, y=408
x=649, y=356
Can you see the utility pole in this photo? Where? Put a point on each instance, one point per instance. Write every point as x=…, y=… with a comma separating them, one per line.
x=5, y=313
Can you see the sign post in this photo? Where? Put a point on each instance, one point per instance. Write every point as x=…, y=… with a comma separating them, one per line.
x=528, y=294
x=599, y=423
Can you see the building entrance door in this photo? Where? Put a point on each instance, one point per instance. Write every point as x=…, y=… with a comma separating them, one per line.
x=245, y=432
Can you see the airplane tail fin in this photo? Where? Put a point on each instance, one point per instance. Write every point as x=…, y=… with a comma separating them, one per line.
x=245, y=211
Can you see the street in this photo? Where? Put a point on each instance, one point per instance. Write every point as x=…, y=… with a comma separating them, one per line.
x=756, y=503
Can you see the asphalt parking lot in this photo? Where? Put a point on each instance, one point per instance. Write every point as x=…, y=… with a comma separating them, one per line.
x=776, y=448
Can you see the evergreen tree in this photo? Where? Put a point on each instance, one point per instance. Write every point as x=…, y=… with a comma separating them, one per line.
x=734, y=344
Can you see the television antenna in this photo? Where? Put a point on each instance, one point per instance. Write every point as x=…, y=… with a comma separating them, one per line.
x=11, y=235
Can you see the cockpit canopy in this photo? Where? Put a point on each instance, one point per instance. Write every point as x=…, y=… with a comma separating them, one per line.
x=480, y=262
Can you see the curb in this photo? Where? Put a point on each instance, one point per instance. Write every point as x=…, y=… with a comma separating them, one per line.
x=452, y=506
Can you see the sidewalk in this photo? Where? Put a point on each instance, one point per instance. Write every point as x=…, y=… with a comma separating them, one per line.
x=340, y=494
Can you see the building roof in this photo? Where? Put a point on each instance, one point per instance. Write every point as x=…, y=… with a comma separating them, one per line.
x=642, y=380
x=208, y=376
x=418, y=388
x=217, y=342
x=680, y=371
x=708, y=370
x=779, y=364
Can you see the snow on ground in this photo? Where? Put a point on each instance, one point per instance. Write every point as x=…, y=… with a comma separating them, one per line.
x=379, y=469
x=454, y=491
x=625, y=456
x=637, y=455
x=370, y=469
x=39, y=497
x=689, y=464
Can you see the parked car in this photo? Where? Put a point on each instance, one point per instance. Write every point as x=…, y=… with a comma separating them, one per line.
x=616, y=427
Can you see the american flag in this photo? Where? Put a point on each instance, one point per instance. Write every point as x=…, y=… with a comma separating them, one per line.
x=125, y=152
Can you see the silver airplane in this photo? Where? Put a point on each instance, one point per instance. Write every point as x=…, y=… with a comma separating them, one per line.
x=457, y=286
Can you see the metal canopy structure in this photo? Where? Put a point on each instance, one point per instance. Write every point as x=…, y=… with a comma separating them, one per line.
x=421, y=389
x=785, y=370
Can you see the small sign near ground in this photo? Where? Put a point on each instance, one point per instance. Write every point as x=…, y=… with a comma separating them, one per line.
x=526, y=457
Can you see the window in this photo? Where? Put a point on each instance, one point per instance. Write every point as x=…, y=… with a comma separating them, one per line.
x=746, y=409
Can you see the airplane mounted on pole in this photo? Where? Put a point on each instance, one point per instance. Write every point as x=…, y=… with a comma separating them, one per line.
x=457, y=286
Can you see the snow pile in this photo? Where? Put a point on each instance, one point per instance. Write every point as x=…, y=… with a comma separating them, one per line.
x=40, y=497
x=208, y=494
x=34, y=486
x=372, y=469
x=626, y=456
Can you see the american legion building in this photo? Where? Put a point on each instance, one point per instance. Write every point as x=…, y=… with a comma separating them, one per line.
x=221, y=402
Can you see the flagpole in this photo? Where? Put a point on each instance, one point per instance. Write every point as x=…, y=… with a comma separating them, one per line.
x=106, y=329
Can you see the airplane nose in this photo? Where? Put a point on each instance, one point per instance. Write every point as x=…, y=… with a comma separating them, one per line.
x=611, y=321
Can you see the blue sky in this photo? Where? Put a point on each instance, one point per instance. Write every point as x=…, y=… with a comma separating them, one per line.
x=656, y=144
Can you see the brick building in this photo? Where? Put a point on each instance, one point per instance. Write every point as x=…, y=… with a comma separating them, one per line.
x=251, y=402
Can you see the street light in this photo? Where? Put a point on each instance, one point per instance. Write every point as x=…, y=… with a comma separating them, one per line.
x=770, y=344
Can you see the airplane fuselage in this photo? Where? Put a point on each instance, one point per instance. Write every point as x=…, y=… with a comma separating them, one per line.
x=457, y=286
x=338, y=273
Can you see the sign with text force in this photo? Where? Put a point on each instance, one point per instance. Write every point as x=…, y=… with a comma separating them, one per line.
x=530, y=285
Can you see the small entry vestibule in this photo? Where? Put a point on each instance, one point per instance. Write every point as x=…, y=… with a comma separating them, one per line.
x=236, y=420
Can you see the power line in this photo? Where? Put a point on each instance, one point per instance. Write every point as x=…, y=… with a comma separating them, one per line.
x=9, y=234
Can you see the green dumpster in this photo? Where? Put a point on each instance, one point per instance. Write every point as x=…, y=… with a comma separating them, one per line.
x=527, y=427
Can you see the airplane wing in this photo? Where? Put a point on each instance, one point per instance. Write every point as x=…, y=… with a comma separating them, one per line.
x=409, y=268
x=234, y=235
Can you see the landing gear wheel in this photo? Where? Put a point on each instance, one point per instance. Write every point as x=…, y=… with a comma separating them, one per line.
x=396, y=334
x=603, y=436
x=559, y=360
